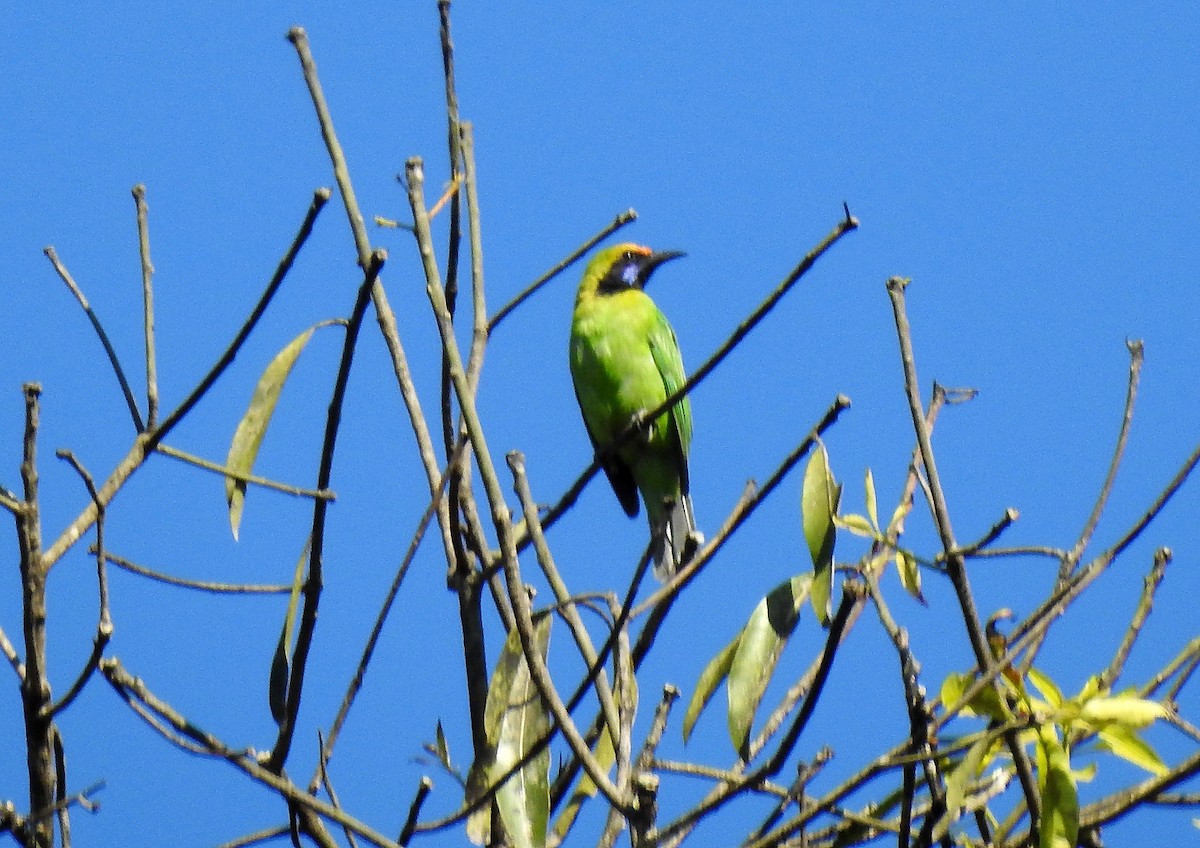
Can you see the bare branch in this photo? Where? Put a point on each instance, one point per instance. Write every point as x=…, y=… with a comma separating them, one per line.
x=626, y=217
x=113, y=359
x=143, y=226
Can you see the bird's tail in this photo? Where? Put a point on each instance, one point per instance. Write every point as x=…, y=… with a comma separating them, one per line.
x=674, y=535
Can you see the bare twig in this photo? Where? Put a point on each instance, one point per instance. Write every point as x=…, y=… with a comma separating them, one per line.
x=1137, y=353
x=113, y=359
x=529, y=291
x=320, y=198
x=224, y=471
x=35, y=693
x=373, y=639
x=414, y=810
x=175, y=727
x=955, y=566
x=313, y=585
x=1162, y=558
x=143, y=226
x=104, y=626
x=383, y=309
x=201, y=585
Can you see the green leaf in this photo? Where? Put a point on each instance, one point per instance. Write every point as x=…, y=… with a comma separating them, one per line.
x=1127, y=710
x=857, y=524
x=987, y=703
x=1047, y=688
x=519, y=720
x=1058, y=826
x=872, y=510
x=281, y=663
x=910, y=573
x=758, y=650
x=248, y=436
x=443, y=749
x=716, y=671
x=1124, y=741
x=819, y=499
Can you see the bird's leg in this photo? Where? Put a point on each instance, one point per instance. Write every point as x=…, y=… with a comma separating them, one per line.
x=642, y=424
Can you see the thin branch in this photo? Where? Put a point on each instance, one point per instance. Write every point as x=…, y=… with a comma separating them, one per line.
x=113, y=359
x=626, y=217
x=320, y=198
x=500, y=518
x=322, y=770
x=104, y=626
x=217, y=468
x=200, y=585
x=955, y=566
x=175, y=727
x=314, y=583
x=143, y=226
x=1137, y=352
x=1162, y=558
x=34, y=569
x=414, y=810
x=383, y=310
x=360, y=672
x=516, y=462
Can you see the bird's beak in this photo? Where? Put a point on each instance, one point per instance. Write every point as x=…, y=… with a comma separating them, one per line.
x=653, y=261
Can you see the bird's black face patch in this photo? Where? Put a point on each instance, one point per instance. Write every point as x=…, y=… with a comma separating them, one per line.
x=625, y=273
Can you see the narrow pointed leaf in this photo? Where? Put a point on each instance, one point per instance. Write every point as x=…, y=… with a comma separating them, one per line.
x=522, y=720
x=1124, y=741
x=1047, y=688
x=1058, y=826
x=872, y=509
x=1128, y=710
x=281, y=663
x=857, y=524
x=910, y=574
x=819, y=499
x=958, y=783
x=758, y=650
x=248, y=436
x=716, y=671
x=443, y=749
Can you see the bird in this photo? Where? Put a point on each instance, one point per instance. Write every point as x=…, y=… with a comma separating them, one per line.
x=625, y=362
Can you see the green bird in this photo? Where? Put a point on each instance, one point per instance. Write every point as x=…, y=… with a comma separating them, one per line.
x=625, y=361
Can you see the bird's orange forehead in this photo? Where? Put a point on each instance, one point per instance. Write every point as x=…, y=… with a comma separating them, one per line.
x=635, y=248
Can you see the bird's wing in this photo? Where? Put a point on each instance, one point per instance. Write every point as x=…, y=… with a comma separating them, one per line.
x=618, y=473
x=665, y=350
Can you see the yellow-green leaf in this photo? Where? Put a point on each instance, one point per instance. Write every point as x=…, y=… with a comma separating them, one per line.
x=716, y=671
x=1128, y=710
x=1124, y=741
x=872, y=510
x=281, y=663
x=1058, y=826
x=910, y=573
x=248, y=436
x=857, y=524
x=758, y=650
x=522, y=720
x=819, y=498
x=1047, y=688
x=987, y=703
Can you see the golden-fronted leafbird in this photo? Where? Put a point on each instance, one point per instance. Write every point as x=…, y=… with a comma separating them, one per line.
x=625, y=362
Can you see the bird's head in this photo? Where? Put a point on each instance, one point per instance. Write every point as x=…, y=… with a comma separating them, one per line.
x=622, y=267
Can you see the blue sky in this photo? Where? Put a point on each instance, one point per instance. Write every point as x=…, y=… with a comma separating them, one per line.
x=1033, y=169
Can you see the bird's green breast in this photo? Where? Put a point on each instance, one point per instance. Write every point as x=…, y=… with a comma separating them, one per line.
x=612, y=364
